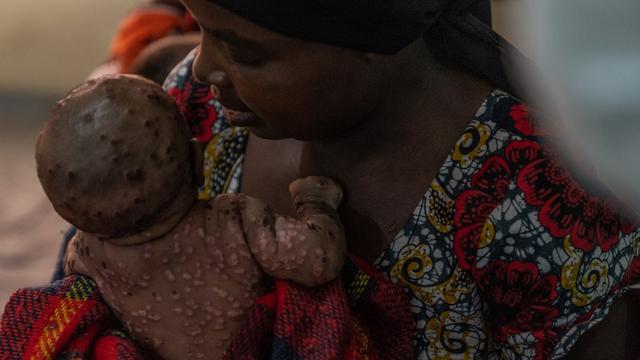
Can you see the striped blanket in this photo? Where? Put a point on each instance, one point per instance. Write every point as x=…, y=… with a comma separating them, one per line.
x=358, y=316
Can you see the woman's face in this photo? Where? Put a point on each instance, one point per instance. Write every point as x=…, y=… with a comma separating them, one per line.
x=288, y=87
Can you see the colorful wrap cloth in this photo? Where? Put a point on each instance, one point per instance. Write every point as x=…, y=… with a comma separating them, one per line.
x=145, y=25
x=66, y=320
x=358, y=316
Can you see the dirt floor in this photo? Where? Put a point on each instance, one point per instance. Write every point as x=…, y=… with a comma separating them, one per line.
x=30, y=231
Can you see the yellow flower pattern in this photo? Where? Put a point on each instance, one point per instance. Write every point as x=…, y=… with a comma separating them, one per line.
x=453, y=336
x=586, y=281
x=416, y=263
x=441, y=209
x=488, y=234
x=472, y=144
x=222, y=159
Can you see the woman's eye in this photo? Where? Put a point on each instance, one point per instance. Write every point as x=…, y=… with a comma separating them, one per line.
x=246, y=57
x=243, y=55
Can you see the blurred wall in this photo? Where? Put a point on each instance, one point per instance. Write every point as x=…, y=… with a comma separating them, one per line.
x=48, y=46
x=509, y=19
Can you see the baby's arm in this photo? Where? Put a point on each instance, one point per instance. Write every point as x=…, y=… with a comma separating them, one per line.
x=309, y=249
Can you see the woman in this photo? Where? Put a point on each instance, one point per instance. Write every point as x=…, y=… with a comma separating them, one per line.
x=504, y=254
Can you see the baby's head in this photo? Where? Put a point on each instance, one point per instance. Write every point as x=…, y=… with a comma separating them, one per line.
x=113, y=157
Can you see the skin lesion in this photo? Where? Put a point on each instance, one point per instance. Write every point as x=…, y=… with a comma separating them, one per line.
x=212, y=260
x=77, y=249
x=309, y=249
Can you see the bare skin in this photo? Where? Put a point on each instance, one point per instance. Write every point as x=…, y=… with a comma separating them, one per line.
x=202, y=277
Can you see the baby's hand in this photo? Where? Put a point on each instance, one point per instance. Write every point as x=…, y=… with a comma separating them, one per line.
x=310, y=249
x=315, y=189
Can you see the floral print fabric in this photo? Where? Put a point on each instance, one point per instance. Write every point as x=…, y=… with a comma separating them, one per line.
x=225, y=147
x=506, y=256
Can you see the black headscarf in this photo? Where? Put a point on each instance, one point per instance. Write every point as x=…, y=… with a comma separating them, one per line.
x=458, y=31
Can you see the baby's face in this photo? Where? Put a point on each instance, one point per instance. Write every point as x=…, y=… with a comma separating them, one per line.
x=113, y=154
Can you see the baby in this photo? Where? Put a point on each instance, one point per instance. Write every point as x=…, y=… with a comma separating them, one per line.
x=179, y=273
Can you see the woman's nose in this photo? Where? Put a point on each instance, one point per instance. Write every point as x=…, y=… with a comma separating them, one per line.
x=199, y=67
x=206, y=71
x=219, y=79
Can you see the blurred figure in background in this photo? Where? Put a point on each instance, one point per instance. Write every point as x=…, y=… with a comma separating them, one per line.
x=588, y=53
x=151, y=40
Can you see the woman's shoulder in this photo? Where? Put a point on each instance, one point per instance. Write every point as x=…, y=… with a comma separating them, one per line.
x=523, y=175
x=549, y=232
x=507, y=224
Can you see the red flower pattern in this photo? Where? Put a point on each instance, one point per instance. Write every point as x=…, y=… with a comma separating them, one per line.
x=488, y=187
x=193, y=100
x=547, y=339
x=518, y=296
x=521, y=118
x=566, y=209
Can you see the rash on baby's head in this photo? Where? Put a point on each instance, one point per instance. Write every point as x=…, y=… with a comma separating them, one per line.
x=113, y=154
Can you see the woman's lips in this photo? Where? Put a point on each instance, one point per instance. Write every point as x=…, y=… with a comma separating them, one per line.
x=229, y=99
x=240, y=118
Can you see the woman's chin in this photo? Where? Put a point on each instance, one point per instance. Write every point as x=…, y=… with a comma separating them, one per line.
x=261, y=128
x=253, y=123
x=241, y=118
x=263, y=132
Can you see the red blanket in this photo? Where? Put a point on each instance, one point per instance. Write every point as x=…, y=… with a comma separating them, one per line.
x=358, y=316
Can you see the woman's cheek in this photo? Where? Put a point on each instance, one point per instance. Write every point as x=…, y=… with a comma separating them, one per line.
x=262, y=98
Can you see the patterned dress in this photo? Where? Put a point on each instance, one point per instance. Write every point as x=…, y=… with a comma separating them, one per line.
x=505, y=256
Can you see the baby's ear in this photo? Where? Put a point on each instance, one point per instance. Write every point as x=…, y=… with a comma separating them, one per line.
x=197, y=161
